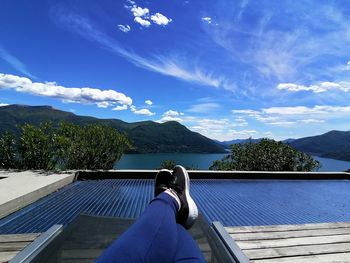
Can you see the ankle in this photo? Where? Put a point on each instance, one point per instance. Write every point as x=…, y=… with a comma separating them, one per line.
x=173, y=194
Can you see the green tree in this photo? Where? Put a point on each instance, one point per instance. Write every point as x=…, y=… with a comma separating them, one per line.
x=36, y=147
x=8, y=151
x=168, y=164
x=90, y=147
x=266, y=155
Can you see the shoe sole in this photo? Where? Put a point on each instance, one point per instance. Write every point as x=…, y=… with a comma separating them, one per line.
x=192, y=207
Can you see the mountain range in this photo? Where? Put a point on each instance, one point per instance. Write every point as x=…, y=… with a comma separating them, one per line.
x=168, y=137
x=146, y=136
x=333, y=144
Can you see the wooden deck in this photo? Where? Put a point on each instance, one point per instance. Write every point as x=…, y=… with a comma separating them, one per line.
x=316, y=243
x=10, y=245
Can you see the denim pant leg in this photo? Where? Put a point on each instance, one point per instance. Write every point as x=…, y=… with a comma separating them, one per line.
x=152, y=238
x=187, y=250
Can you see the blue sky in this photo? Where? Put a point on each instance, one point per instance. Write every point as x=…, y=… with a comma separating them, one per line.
x=227, y=69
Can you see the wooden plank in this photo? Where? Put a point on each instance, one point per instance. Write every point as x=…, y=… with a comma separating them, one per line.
x=18, y=237
x=327, y=258
x=248, y=229
x=297, y=251
x=13, y=246
x=291, y=234
x=7, y=256
x=230, y=243
x=293, y=242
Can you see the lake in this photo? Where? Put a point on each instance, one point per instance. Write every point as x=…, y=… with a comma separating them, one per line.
x=202, y=161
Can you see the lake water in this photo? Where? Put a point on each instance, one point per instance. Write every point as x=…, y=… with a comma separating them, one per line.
x=202, y=161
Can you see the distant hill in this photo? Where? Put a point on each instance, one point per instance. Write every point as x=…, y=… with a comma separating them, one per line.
x=237, y=141
x=147, y=136
x=333, y=144
x=289, y=140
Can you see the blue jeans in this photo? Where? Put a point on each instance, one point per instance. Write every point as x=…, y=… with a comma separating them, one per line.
x=155, y=237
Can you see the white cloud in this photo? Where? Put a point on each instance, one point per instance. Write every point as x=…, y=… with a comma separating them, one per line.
x=171, y=115
x=102, y=98
x=312, y=121
x=206, y=19
x=122, y=107
x=288, y=116
x=146, y=112
x=170, y=118
x=139, y=11
x=3, y=104
x=149, y=102
x=103, y=104
x=317, y=88
x=125, y=28
x=160, y=19
x=142, y=22
x=204, y=107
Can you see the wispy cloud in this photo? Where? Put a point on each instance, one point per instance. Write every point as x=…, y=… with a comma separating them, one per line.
x=289, y=116
x=204, y=107
x=166, y=65
x=317, y=88
x=15, y=62
x=102, y=98
x=282, y=45
x=3, y=104
x=125, y=28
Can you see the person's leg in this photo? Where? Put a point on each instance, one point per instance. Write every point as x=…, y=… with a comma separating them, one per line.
x=152, y=238
x=187, y=250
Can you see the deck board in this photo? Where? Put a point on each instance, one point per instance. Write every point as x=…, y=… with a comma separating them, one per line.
x=317, y=243
x=11, y=245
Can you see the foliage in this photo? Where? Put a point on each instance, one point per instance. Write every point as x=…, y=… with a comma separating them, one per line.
x=7, y=150
x=168, y=164
x=68, y=146
x=36, y=147
x=91, y=147
x=267, y=155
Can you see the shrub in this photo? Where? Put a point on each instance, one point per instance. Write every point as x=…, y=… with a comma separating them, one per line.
x=36, y=147
x=168, y=164
x=90, y=147
x=8, y=151
x=67, y=147
x=266, y=155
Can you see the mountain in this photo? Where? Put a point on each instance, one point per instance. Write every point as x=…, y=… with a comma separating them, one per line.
x=146, y=136
x=333, y=144
x=237, y=141
x=289, y=140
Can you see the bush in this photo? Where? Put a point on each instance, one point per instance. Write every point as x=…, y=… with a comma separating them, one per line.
x=266, y=155
x=67, y=147
x=168, y=164
x=37, y=147
x=90, y=147
x=7, y=151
